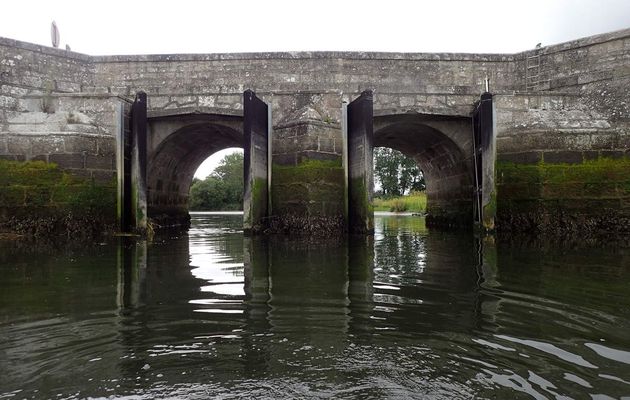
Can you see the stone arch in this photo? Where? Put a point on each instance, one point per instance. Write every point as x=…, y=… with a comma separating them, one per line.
x=442, y=147
x=177, y=145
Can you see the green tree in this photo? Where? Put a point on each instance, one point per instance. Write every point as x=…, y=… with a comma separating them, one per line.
x=396, y=173
x=222, y=189
x=230, y=172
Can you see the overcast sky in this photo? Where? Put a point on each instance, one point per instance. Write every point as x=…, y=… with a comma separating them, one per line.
x=183, y=26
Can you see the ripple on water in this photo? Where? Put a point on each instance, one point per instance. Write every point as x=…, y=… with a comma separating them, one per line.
x=407, y=314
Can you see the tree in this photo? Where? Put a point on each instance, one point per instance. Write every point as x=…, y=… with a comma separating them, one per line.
x=222, y=189
x=396, y=173
x=230, y=172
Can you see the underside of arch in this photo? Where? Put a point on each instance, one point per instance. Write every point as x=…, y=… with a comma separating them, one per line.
x=173, y=162
x=442, y=147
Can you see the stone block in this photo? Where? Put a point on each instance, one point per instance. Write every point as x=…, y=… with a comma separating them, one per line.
x=73, y=161
x=103, y=177
x=563, y=82
x=42, y=145
x=79, y=144
x=529, y=157
x=604, y=141
x=95, y=89
x=285, y=159
x=36, y=129
x=68, y=86
x=614, y=154
x=19, y=145
x=81, y=173
x=568, y=157
x=80, y=128
x=120, y=90
x=590, y=155
x=303, y=156
x=99, y=162
x=207, y=101
x=30, y=105
x=106, y=146
x=41, y=157
x=157, y=102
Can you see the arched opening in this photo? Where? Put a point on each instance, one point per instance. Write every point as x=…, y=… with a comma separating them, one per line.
x=178, y=145
x=442, y=148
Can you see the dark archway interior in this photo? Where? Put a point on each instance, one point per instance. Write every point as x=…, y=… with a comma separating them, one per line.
x=445, y=157
x=174, y=161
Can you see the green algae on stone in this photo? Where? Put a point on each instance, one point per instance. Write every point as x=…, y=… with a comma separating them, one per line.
x=41, y=193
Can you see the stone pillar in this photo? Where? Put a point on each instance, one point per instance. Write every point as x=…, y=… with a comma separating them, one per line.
x=308, y=184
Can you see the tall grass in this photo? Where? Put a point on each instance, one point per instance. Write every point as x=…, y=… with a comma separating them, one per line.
x=415, y=202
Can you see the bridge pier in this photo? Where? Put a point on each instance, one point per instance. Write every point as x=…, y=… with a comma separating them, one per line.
x=308, y=188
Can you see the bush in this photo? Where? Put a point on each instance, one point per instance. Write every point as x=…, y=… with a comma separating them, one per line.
x=398, y=205
x=415, y=202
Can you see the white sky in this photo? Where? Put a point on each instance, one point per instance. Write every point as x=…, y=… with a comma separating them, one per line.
x=217, y=26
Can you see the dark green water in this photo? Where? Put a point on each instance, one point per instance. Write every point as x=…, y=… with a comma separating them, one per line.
x=404, y=314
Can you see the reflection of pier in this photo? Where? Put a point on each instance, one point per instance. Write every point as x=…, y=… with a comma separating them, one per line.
x=303, y=297
x=300, y=301
x=131, y=265
x=305, y=288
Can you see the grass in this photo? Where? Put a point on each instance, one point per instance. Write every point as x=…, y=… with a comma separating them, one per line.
x=415, y=202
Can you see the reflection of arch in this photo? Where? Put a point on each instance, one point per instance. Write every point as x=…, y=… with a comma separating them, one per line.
x=178, y=144
x=442, y=148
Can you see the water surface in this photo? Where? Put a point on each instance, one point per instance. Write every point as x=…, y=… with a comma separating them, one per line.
x=406, y=313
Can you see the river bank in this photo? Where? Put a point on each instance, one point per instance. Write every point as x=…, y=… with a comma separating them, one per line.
x=415, y=203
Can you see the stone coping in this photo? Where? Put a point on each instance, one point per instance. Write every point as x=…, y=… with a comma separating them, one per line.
x=574, y=44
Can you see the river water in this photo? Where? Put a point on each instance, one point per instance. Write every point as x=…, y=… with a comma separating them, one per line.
x=406, y=313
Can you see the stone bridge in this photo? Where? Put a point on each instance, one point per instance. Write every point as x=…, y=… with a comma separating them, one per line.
x=550, y=148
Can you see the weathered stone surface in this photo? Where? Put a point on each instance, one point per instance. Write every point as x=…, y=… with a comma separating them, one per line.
x=58, y=106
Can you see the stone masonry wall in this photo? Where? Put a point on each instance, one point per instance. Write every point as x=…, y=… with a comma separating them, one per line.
x=558, y=106
x=50, y=112
x=57, y=143
x=564, y=139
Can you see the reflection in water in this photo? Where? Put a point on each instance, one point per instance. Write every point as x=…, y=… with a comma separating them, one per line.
x=132, y=266
x=405, y=313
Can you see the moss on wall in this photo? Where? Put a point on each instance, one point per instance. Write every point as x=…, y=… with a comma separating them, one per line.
x=313, y=187
x=449, y=214
x=308, y=198
x=593, y=195
x=256, y=217
x=38, y=198
x=490, y=212
x=360, y=210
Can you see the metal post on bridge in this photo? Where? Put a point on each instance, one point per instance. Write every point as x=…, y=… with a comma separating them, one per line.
x=359, y=129
x=256, y=165
x=484, y=157
x=131, y=165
